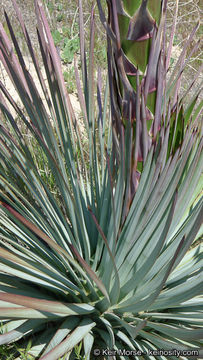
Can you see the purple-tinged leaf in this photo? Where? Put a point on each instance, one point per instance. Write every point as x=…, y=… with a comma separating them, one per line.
x=141, y=24
x=116, y=296
x=6, y=54
x=82, y=47
x=5, y=254
x=152, y=79
x=116, y=25
x=90, y=272
x=32, y=53
x=169, y=50
x=137, y=153
x=80, y=94
x=150, y=82
x=27, y=313
x=99, y=97
x=35, y=229
x=23, y=81
x=11, y=101
x=108, y=29
x=41, y=18
x=47, y=305
x=90, y=109
x=159, y=99
x=129, y=67
x=127, y=164
x=113, y=203
x=37, y=105
x=145, y=137
x=120, y=8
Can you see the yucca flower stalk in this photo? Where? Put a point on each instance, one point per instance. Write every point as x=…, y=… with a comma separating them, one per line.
x=138, y=63
x=105, y=260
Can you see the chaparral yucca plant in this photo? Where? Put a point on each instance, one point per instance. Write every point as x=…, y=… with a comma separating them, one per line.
x=106, y=260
